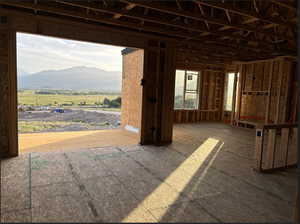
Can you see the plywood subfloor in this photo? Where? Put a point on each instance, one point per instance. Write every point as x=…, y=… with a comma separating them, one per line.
x=205, y=176
x=53, y=141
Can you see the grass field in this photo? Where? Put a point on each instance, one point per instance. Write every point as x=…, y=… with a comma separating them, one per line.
x=38, y=126
x=28, y=97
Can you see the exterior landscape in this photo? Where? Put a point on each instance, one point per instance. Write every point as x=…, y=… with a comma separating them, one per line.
x=75, y=86
x=75, y=104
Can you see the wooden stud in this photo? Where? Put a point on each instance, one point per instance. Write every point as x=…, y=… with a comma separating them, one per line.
x=280, y=74
x=240, y=88
x=259, y=141
x=269, y=93
x=281, y=154
x=271, y=148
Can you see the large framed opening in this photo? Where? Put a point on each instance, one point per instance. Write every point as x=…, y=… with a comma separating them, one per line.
x=70, y=94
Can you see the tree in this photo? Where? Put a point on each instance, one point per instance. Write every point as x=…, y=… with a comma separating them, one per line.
x=116, y=103
x=106, y=101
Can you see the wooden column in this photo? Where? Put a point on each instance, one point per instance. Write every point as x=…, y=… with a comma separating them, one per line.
x=8, y=90
x=158, y=93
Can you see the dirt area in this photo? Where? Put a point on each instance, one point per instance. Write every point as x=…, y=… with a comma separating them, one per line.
x=70, y=120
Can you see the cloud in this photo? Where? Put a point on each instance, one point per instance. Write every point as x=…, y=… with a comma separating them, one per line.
x=36, y=53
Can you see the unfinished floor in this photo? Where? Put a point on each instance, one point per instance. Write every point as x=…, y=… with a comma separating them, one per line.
x=206, y=175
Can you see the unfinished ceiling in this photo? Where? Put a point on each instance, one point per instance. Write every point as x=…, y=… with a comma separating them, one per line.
x=205, y=30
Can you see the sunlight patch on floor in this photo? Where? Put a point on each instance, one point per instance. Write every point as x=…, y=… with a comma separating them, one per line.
x=177, y=178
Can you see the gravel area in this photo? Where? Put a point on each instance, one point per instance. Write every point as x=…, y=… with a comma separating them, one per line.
x=74, y=120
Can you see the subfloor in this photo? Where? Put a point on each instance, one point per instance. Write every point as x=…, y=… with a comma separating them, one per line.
x=73, y=140
x=205, y=175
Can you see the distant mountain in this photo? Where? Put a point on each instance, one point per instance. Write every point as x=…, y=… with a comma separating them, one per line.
x=22, y=72
x=75, y=78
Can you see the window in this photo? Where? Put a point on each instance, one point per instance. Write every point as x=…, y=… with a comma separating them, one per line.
x=229, y=91
x=186, y=89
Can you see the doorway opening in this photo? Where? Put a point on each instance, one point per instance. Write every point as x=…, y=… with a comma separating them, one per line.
x=69, y=94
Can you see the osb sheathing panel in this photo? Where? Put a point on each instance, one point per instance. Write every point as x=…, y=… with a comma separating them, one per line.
x=210, y=100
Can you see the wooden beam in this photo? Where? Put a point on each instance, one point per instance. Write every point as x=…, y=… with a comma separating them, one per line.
x=110, y=21
x=204, y=53
x=100, y=19
x=284, y=4
x=118, y=13
x=95, y=18
x=29, y=23
x=126, y=8
x=243, y=12
x=123, y=23
x=250, y=20
x=195, y=16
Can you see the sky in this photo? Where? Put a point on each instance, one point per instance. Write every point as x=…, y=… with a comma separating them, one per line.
x=36, y=53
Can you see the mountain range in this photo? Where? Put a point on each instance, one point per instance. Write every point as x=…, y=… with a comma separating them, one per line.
x=75, y=78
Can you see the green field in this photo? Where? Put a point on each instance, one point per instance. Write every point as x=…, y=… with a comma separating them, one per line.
x=28, y=97
x=38, y=126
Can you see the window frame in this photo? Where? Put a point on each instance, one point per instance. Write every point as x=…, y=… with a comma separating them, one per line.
x=188, y=91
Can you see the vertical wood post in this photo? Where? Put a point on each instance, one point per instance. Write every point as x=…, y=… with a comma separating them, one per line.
x=281, y=155
x=279, y=91
x=158, y=93
x=8, y=91
x=259, y=141
x=269, y=93
x=13, y=113
x=271, y=148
